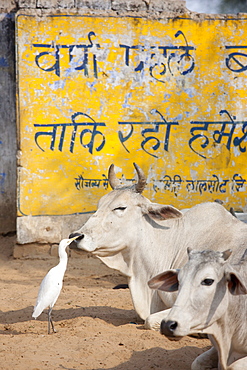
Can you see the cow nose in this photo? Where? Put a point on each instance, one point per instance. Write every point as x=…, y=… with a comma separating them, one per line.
x=73, y=235
x=167, y=328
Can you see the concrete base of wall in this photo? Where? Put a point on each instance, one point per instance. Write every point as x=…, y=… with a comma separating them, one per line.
x=48, y=229
x=38, y=237
x=44, y=251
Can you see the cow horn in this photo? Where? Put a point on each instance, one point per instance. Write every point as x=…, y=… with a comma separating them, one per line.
x=139, y=187
x=112, y=178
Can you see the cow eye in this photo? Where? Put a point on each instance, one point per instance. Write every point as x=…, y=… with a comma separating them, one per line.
x=119, y=208
x=207, y=282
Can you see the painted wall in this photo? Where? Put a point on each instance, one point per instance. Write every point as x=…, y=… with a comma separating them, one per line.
x=167, y=94
x=9, y=150
x=103, y=82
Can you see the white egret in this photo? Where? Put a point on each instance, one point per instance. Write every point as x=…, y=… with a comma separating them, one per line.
x=52, y=283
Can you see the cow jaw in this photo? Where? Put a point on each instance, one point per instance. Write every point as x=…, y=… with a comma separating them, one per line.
x=99, y=244
x=86, y=243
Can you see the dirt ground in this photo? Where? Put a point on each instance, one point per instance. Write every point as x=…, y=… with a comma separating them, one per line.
x=96, y=325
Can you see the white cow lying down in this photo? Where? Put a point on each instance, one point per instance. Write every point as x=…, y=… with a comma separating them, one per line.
x=211, y=299
x=140, y=239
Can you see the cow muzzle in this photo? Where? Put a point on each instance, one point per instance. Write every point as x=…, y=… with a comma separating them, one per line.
x=78, y=237
x=168, y=328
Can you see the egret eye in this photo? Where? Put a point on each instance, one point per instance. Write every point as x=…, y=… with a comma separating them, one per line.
x=119, y=208
x=207, y=282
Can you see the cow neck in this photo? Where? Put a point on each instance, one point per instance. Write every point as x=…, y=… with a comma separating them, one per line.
x=117, y=262
x=222, y=343
x=173, y=244
x=153, y=251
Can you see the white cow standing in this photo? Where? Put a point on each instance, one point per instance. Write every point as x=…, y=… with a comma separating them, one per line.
x=211, y=299
x=140, y=239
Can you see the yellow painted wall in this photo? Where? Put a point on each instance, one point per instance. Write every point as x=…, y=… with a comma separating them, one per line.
x=169, y=95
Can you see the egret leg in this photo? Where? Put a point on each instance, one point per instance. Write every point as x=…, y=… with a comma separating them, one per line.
x=50, y=322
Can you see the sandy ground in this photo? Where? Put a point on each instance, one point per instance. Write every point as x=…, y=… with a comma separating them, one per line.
x=97, y=327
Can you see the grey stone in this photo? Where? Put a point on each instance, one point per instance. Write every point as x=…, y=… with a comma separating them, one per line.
x=129, y=5
x=94, y=4
x=30, y=4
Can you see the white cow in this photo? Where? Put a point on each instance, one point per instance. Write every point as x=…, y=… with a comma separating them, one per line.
x=211, y=299
x=140, y=239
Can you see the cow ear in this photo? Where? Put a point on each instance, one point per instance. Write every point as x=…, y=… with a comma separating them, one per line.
x=162, y=212
x=166, y=281
x=235, y=284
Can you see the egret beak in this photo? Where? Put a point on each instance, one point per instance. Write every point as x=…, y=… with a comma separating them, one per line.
x=73, y=244
x=72, y=239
